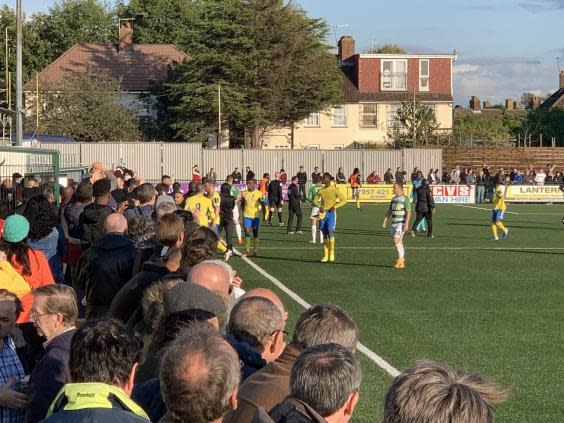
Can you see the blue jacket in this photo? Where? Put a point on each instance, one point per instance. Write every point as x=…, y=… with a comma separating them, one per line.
x=54, y=246
x=49, y=375
x=94, y=403
x=148, y=396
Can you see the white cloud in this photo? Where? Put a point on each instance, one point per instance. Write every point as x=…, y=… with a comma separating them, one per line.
x=503, y=77
x=465, y=68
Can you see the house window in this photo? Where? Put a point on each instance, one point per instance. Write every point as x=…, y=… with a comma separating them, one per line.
x=424, y=75
x=312, y=120
x=394, y=75
x=369, y=115
x=313, y=147
x=340, y=116
x=338, y=147
x=392, y=116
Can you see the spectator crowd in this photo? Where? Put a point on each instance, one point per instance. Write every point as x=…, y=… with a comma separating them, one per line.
x=114, y=307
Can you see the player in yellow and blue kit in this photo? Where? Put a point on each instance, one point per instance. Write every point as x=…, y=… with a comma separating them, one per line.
x=499, y=208
x=328, y=199
x=251, y=205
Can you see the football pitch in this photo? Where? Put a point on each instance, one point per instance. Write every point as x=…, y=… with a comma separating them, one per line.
x=475, y=304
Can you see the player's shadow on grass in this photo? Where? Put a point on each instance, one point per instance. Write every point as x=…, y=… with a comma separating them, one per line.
x=316, y=261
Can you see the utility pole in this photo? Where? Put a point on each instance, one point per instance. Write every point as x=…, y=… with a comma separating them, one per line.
x=414, y=123
x=19, y=79
x=218, y=116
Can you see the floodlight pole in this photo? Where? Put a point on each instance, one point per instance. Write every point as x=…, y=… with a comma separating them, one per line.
x=19, y=79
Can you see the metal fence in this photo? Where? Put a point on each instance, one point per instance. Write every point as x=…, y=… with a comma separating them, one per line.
x=152, y=160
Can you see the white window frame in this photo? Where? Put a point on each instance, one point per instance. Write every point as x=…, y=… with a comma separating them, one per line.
x=393, y=75
x=423, y=77
x=391, y=121
x=343, y=109
x=338, y=147
x=313, y=147
x=362, y=114
x=309, y=123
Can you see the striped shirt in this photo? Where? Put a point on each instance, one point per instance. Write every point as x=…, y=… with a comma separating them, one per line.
x=10, y=366
x=398, y=208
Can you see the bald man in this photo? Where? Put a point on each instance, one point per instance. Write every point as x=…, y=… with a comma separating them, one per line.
x=216, y=278
x=115, y=223
x=269, y=295
x=106, y=266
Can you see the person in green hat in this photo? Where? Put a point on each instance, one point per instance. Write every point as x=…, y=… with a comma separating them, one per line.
x=28, y=262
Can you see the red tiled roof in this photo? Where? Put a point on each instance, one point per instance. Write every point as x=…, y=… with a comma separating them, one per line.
x=351, y=94
x=137, y=67
x=487, y=113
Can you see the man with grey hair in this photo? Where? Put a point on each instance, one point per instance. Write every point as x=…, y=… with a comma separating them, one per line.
x=256, y=331
x=199, y=376
x=54, y=313
x=320, y=324
x=324, y=386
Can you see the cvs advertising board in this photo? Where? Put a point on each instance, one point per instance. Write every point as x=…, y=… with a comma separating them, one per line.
x=454, y=194
x=534, y=194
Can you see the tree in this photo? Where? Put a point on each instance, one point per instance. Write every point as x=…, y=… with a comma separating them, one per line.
x=86, y=107
x=269, y=59
x=391, y=49
x=416, y=124
x=162, y=21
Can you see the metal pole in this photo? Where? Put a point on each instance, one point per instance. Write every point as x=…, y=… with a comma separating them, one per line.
x=19, y=79
x=414, y=124
x=219, y=116
x=37, y=104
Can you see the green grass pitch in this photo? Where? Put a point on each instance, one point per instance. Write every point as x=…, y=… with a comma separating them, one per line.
x=478, y=305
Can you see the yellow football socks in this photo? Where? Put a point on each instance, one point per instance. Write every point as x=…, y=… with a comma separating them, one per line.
x=331, y=249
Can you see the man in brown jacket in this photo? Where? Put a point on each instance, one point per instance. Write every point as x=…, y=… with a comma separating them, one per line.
x=320, y=324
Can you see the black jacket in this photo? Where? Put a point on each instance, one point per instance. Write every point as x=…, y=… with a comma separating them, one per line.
x=104, y=268
x=250, y=175
x=302, y=178
x=388, y=177
x=252, y=361
x=72, y=214
x=148, y=396
x=126, y=305
x=226, y=206
x=425, y=199
x=49, y=375
x=294, y=196
x=237, y=177
x=91, y=222
x=291, y=410
x=275, y=190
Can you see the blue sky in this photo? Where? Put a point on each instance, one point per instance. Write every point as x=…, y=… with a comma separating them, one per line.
x=504, y=47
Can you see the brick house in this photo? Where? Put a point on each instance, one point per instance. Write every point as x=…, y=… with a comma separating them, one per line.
x=373, y=89
x=556, y=100
x=137, y=66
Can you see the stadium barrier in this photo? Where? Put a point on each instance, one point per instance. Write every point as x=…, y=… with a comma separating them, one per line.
x=534, y=194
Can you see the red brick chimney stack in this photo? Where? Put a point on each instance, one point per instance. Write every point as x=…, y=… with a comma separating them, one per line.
x=475, y=103
x=346, y=48
x=125, y=34
x=562, y=79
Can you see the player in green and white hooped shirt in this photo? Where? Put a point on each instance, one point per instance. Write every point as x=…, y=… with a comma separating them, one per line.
x=237, y=196
x=400, y=213
x=317, y=185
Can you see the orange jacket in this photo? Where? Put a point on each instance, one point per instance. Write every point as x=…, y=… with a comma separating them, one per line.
x=40, y=276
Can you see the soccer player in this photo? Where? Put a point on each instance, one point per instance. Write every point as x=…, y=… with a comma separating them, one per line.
x=275, y=199
x=263, y=187
x=400, y=213
x=314, y=189
x=213, y=195
x=328, y=199
x=499, y=208
x=250, y=204
x=354, y=181
x=237, y=196
x=200, y=206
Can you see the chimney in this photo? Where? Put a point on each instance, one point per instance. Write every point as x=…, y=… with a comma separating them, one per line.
x=509, y=104
x=475, y=103
x=535, y=102
x=125, y=34
x=487, y=105
x=562, y=79
x=346, y=48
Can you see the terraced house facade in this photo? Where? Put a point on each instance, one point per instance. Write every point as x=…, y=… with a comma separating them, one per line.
x=373, y=89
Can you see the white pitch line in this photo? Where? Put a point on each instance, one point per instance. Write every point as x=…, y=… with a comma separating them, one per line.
x=379, y=361
x=481, y=208
x=422, y=248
